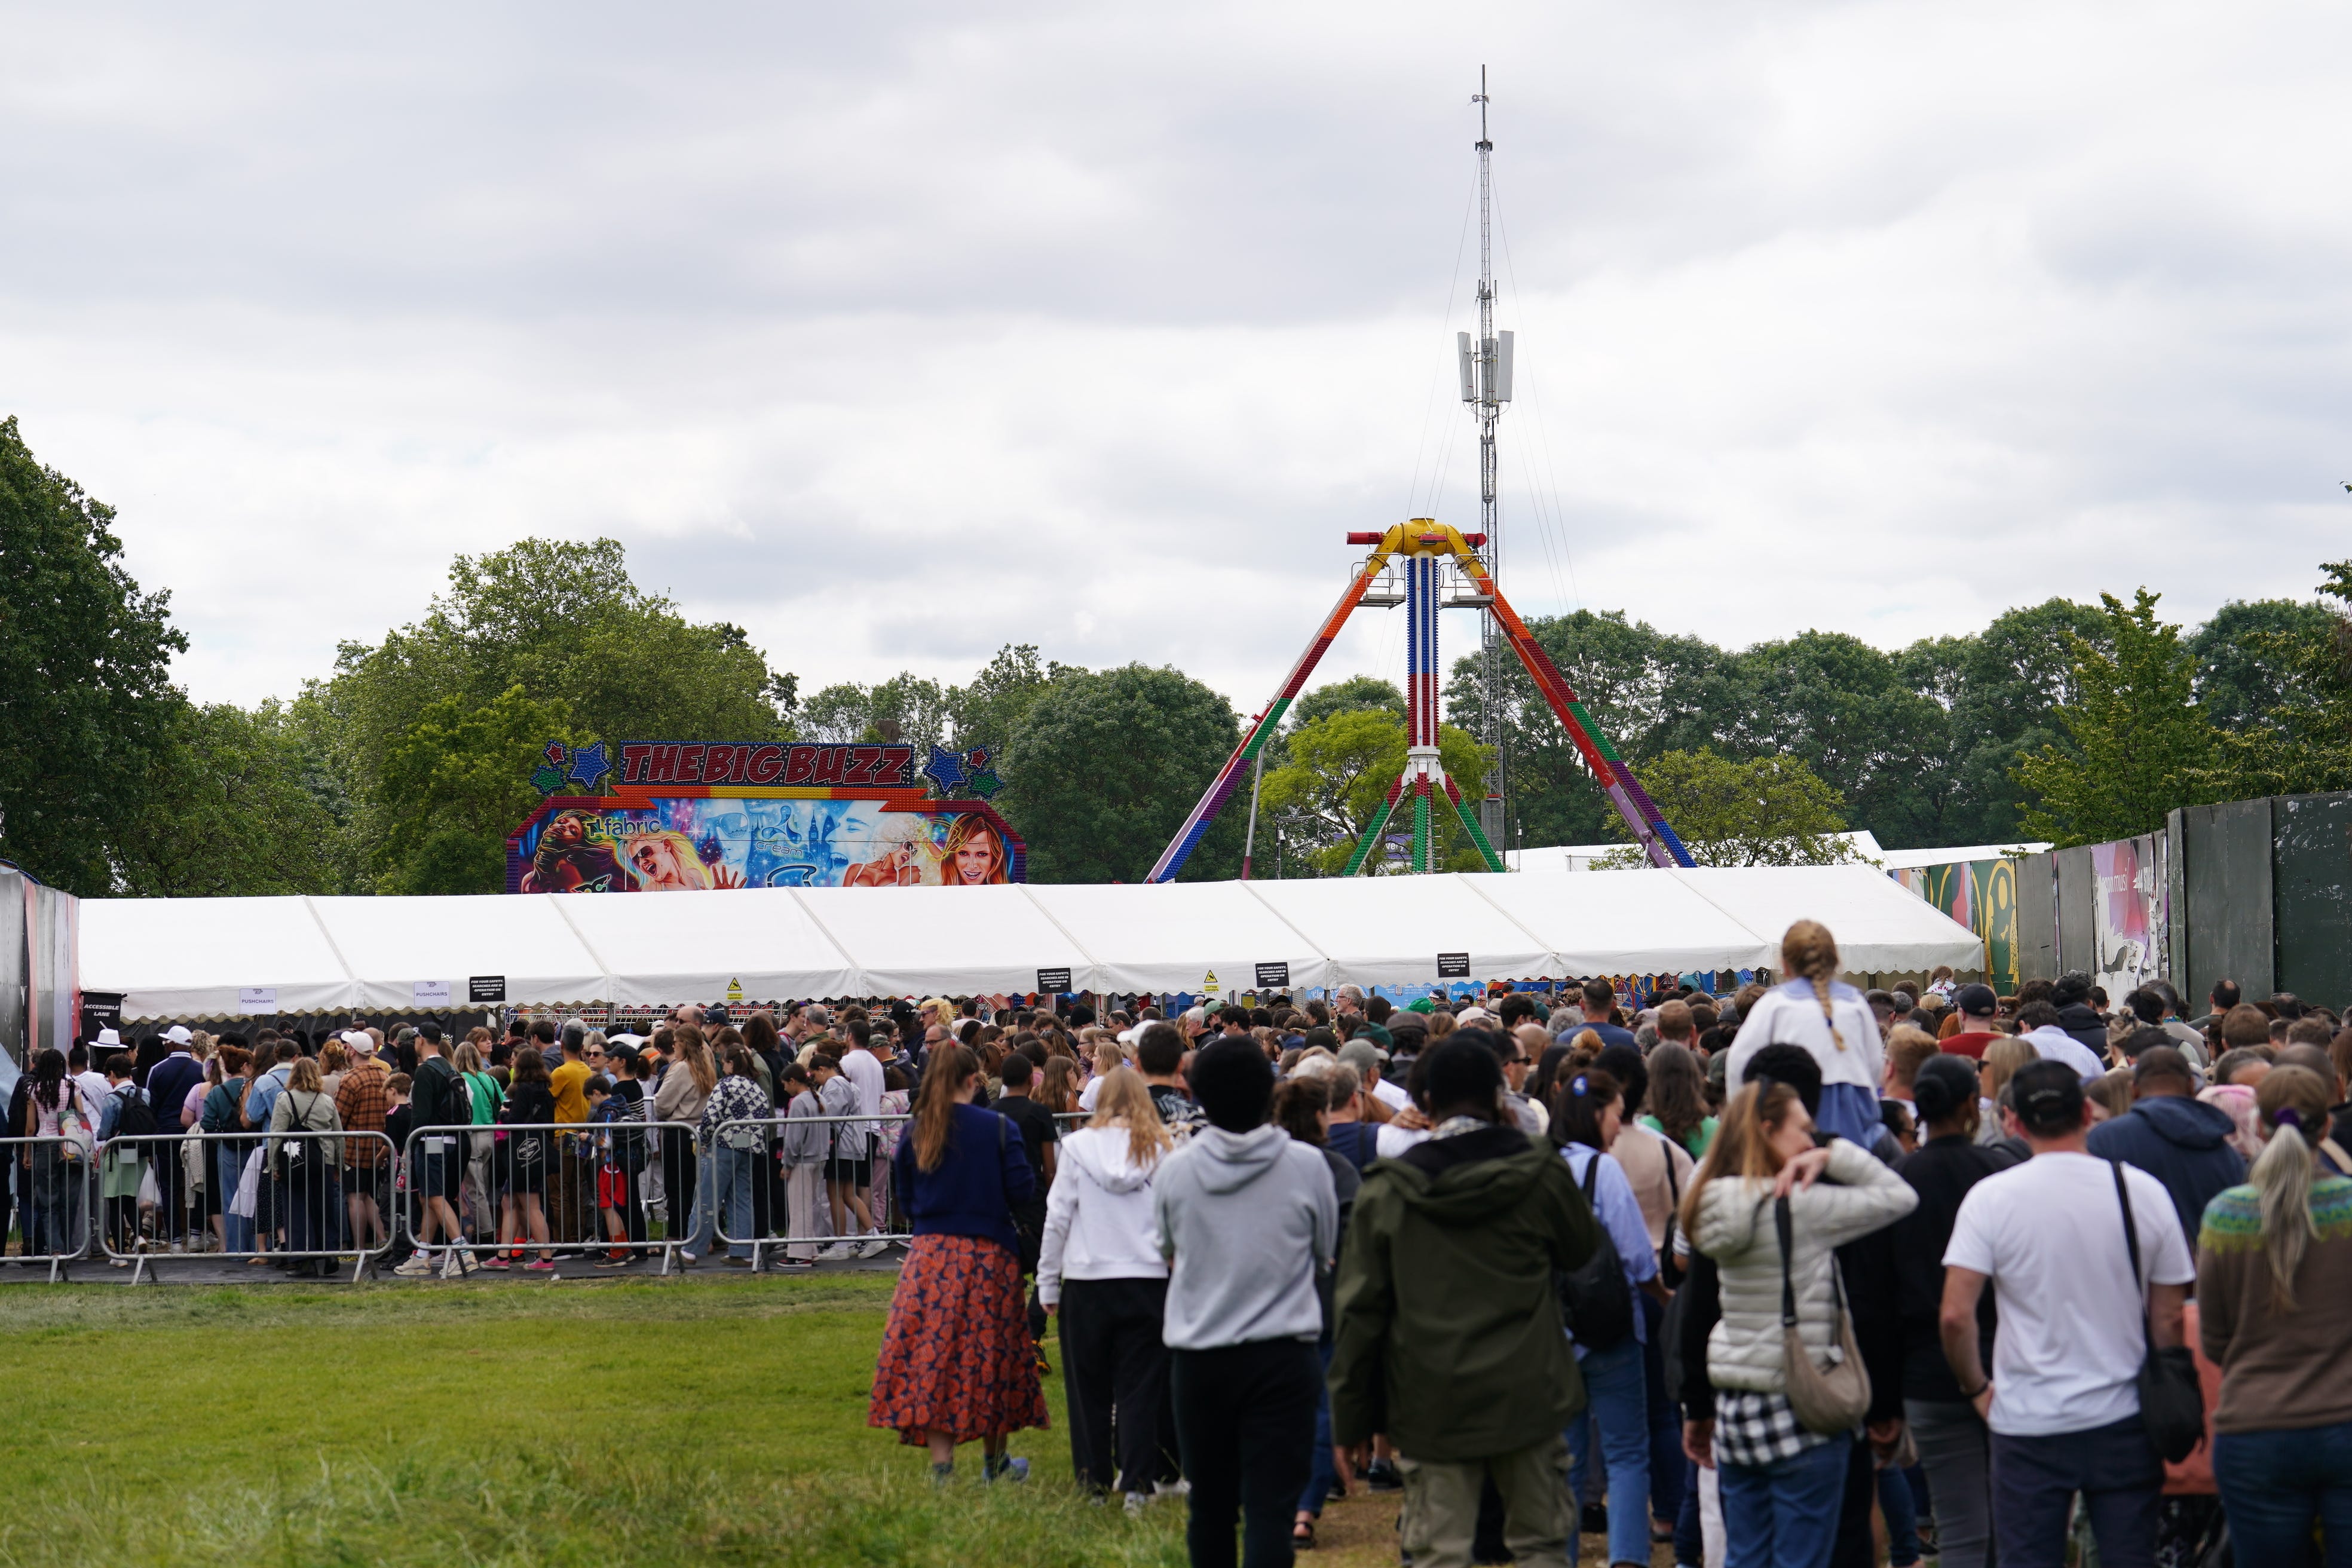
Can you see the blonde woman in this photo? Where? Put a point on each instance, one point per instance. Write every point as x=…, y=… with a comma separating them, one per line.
x=1100, y=1269
x=1834, y=1025
x=1108, y=1060
x=309, y=1169
x=2273, y=1263
x=684, y=1091
x=1781, y=1484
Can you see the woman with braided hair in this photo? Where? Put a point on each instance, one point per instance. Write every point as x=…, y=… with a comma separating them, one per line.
x=1832, y=1022
x=2273, y=1263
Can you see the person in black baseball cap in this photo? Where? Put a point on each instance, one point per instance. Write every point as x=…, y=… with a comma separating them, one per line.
x=1976, y=1006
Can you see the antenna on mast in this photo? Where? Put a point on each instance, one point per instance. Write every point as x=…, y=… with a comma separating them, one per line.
x=1486, y=367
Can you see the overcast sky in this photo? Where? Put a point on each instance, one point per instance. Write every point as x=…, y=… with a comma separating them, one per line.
x=899, y=334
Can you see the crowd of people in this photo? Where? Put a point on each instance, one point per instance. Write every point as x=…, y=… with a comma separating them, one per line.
x=1803, y=1276
x=1808, y=1275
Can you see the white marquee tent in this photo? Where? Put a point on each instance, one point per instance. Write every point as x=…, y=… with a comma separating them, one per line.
x=215, y=957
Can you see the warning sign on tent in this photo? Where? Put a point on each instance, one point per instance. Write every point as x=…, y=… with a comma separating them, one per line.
x=1209, y=982
x=1270, y=974
x=734, y=991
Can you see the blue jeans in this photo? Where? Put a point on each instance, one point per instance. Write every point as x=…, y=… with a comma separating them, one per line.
x=1902, y=1511
x=1324, y=1476
x=706, y=1189
x=229, y=1168
x=737, y=1170
x=2274, y=1485
x=2115, y=1470
x=1785, y=1514
x=1615, y=1385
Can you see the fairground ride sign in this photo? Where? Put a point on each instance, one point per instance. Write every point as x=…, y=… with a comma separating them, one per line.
x=683, y=815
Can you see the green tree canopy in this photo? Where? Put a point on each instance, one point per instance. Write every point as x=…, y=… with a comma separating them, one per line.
x=455, y=783
x=2249, y=662
x=1757, y=811
x=87, y=710
x=231, y=812
x=1102, y=769
x=2305, y=744
x=1341, y=768
x=562, y=624
x=2137, y=745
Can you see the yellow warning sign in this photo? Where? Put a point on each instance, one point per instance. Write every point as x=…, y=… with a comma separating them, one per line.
x=1209, y=982
x=734, y=991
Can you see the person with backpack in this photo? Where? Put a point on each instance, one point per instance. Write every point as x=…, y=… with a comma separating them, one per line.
x=219, y=1115
x=307, y=1167
x=127, y=1115
x=529, y=1106
x=438, y=1099
x=1786, y=1369
x=1449, y=1336
x=1605, y=1320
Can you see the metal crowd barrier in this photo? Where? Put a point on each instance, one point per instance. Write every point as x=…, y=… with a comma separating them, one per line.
x=49, y=1199
x=301, y=1192
x=569, y=1166
x=806, y=1186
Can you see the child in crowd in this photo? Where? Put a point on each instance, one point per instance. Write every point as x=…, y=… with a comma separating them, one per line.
x=398, y=1120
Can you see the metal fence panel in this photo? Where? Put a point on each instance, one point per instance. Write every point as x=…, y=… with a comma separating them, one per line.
x=300, y=1194
x=2311, y=892
x=2229, y=897
x=523, y=1193
x=2037, y=918
x=49, y=1199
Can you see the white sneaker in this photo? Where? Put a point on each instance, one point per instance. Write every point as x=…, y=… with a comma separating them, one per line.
x=418, y=1266
x=1135, y=1503
x=1177, y=1488
x=836, y=1252
x=875, y=1247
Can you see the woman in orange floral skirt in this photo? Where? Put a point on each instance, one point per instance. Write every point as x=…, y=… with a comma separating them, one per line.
x=956, y=1361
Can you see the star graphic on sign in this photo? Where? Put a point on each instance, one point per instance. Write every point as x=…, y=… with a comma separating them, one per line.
x=984, y=783
x=945, y=770
x=588, y=764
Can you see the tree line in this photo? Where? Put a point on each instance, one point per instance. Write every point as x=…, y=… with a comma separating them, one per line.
x=403, y=768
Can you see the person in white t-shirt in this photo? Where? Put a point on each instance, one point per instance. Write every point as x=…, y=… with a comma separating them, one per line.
x=2062, y=1400
x=863, y=1068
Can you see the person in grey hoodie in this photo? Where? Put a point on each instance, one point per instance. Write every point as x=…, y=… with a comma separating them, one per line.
x=1246, y=1216
x=2179, y=1140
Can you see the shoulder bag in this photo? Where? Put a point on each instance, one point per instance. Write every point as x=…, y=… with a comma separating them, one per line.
x=2171, y=1401
x=1825, y=1399
x=1670, y=1269
x=1594, y=1301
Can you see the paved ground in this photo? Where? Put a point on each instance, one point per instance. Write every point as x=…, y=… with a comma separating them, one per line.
x=200, y=1270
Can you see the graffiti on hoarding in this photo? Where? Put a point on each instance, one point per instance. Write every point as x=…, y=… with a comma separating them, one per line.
x=1982, y=896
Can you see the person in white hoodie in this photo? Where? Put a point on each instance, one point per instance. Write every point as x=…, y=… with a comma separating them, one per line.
x=1101, y=1271
x=1834, y=1024
x=1246, y=1217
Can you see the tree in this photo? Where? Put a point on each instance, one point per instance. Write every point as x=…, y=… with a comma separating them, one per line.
x=86, y=705
x=1844, y=709
x=455, y=783
x=1762, y=811
x=1102, y=769
x=2305, y=744
x=2016, y=676
x=2247, y=658
x=986, y=711
x=564, y=623
x=229, y=812
x=1341, y=768
x=2137, y=745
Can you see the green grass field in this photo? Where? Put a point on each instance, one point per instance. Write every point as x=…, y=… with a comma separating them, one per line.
x=591, y=1423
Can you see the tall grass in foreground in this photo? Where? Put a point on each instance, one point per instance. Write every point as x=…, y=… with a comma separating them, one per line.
x=621, y=1504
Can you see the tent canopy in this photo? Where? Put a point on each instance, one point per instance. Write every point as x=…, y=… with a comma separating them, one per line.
x=212, y=957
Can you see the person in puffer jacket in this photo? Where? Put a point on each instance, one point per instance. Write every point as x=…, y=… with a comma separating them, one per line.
x=1101, y=1271
x=1781, y=1484
x=1832, y=1023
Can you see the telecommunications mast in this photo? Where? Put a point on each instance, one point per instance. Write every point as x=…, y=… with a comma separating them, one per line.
x=1486, y=366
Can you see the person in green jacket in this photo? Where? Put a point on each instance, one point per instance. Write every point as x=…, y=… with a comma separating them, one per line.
x=1449, y=1339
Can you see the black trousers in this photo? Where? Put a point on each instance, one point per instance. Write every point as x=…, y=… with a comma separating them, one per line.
x=170, y=1221
x=1246, y=1421
x=677, y=1183
x=1115, y=1371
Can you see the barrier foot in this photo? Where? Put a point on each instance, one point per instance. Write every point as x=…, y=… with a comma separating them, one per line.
x=139, y=1269
x=57, y=1271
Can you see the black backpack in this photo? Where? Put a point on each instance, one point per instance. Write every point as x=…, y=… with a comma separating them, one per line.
x=137, y=1118
x=1595, y=1302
